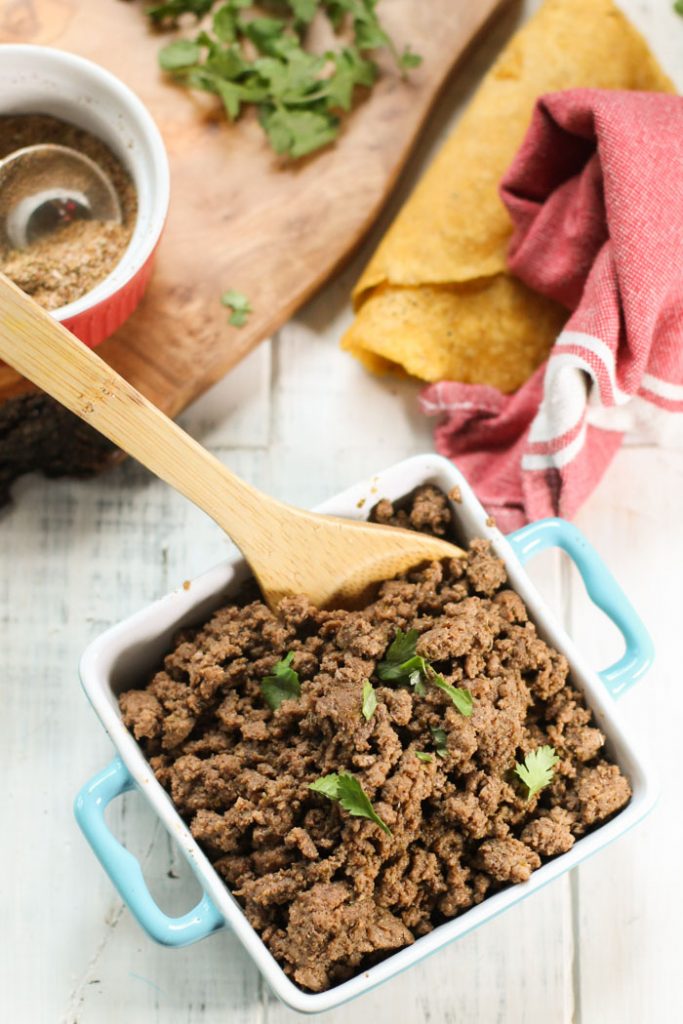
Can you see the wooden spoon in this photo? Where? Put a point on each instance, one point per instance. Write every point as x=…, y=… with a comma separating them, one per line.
x=290, y=551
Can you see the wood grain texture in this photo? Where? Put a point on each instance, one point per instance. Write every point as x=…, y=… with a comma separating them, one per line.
x=301, y=420
x=240, y=217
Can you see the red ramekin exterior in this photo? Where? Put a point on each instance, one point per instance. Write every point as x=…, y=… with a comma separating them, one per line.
x=95, y=324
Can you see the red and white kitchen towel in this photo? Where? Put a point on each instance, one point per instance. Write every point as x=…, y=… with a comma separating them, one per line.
x=596, y=196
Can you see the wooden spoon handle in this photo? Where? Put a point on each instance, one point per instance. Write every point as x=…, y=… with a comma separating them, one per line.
x=47, y=354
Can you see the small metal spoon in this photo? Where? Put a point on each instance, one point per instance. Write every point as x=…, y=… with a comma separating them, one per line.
x=45, y=187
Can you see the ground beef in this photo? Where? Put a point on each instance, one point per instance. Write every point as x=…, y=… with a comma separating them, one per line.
x=331, y=894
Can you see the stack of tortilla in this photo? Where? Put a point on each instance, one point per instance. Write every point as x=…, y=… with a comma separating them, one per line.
x=436, y=299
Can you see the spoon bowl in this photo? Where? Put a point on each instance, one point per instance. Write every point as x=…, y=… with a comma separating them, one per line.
x=45, y=187
x=290, y=551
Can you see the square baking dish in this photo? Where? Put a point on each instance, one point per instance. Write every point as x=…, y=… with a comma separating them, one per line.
x=127, y=654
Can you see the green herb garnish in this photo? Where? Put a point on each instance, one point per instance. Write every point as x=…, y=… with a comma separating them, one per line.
x=421, y=755
x=369, y=700
x=461, y=697
x=240, y=306
x=440, y=742
x=183, y=53
x=282, y=684
x=404, y=665
x=347, y=791
x=171, y=11
x=409, y=60
x=678, y=7
x=246, y=59
x=538, y=769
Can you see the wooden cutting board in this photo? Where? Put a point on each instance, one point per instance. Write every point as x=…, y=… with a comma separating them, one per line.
x=239, y=217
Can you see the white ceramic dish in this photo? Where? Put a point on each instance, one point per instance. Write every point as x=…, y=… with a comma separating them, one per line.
x=37, y=79
x=127, y=654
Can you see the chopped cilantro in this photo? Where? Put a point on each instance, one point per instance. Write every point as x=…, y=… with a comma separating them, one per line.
x=402, y=664
x=240, y=306
x=347, y=791
x=421, y=755
x=538, y=769
x=181, y=54
x=171, y=11
x=400, y=650
x=245, y=58
x=282, y=683
x=408, y=59
x=461, y=697
x=369, y=700
x=440, y=742
x=304, y=10
x=296, y=133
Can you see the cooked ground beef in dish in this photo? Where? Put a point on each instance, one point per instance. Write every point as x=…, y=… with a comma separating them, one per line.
x=331, y=894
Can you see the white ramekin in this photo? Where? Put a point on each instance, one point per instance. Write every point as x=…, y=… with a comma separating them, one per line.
x=127, y=654
x=37, y=79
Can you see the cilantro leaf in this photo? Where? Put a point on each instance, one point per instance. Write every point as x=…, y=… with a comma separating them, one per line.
x=227, y=65
x=415, y=675
x=350, y=70
x=409, y=60
x=238, y=318
x=347, y=791
x=440, y=741
x=336, y=11
x=402, y=664
x=368, y=34
x=678, y=7
x=304, y=10
x=282, y=684
x=461, y=697
x=369, y=700
x=225, y=23
x=326, y=785
x=421, y=755
x=403, y=646
x=293, y=79
x=171, y=11
x=264, y=32
x=179, y=55
x=240, y=306
x=400, y=659
x=298, y=132
x=538, y=769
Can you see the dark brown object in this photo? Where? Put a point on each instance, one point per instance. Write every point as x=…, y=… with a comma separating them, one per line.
x=33, y=429
x=331, y=894
x=237, y=212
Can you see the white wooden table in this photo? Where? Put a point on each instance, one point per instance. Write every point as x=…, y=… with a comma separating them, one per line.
x=302, y=420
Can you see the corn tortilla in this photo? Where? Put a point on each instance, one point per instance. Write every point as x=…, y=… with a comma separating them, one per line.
x=436, y=299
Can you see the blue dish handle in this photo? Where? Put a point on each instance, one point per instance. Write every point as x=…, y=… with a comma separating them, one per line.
x=124, y=870
x=603, y=590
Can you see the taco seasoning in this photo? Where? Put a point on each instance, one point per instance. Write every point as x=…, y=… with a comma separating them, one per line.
x=61, y=267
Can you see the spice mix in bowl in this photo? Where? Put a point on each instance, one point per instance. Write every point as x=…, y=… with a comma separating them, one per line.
x=91, y=274
x=65, y=263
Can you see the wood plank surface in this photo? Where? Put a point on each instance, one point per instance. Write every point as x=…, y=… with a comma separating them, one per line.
x=303, y=420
